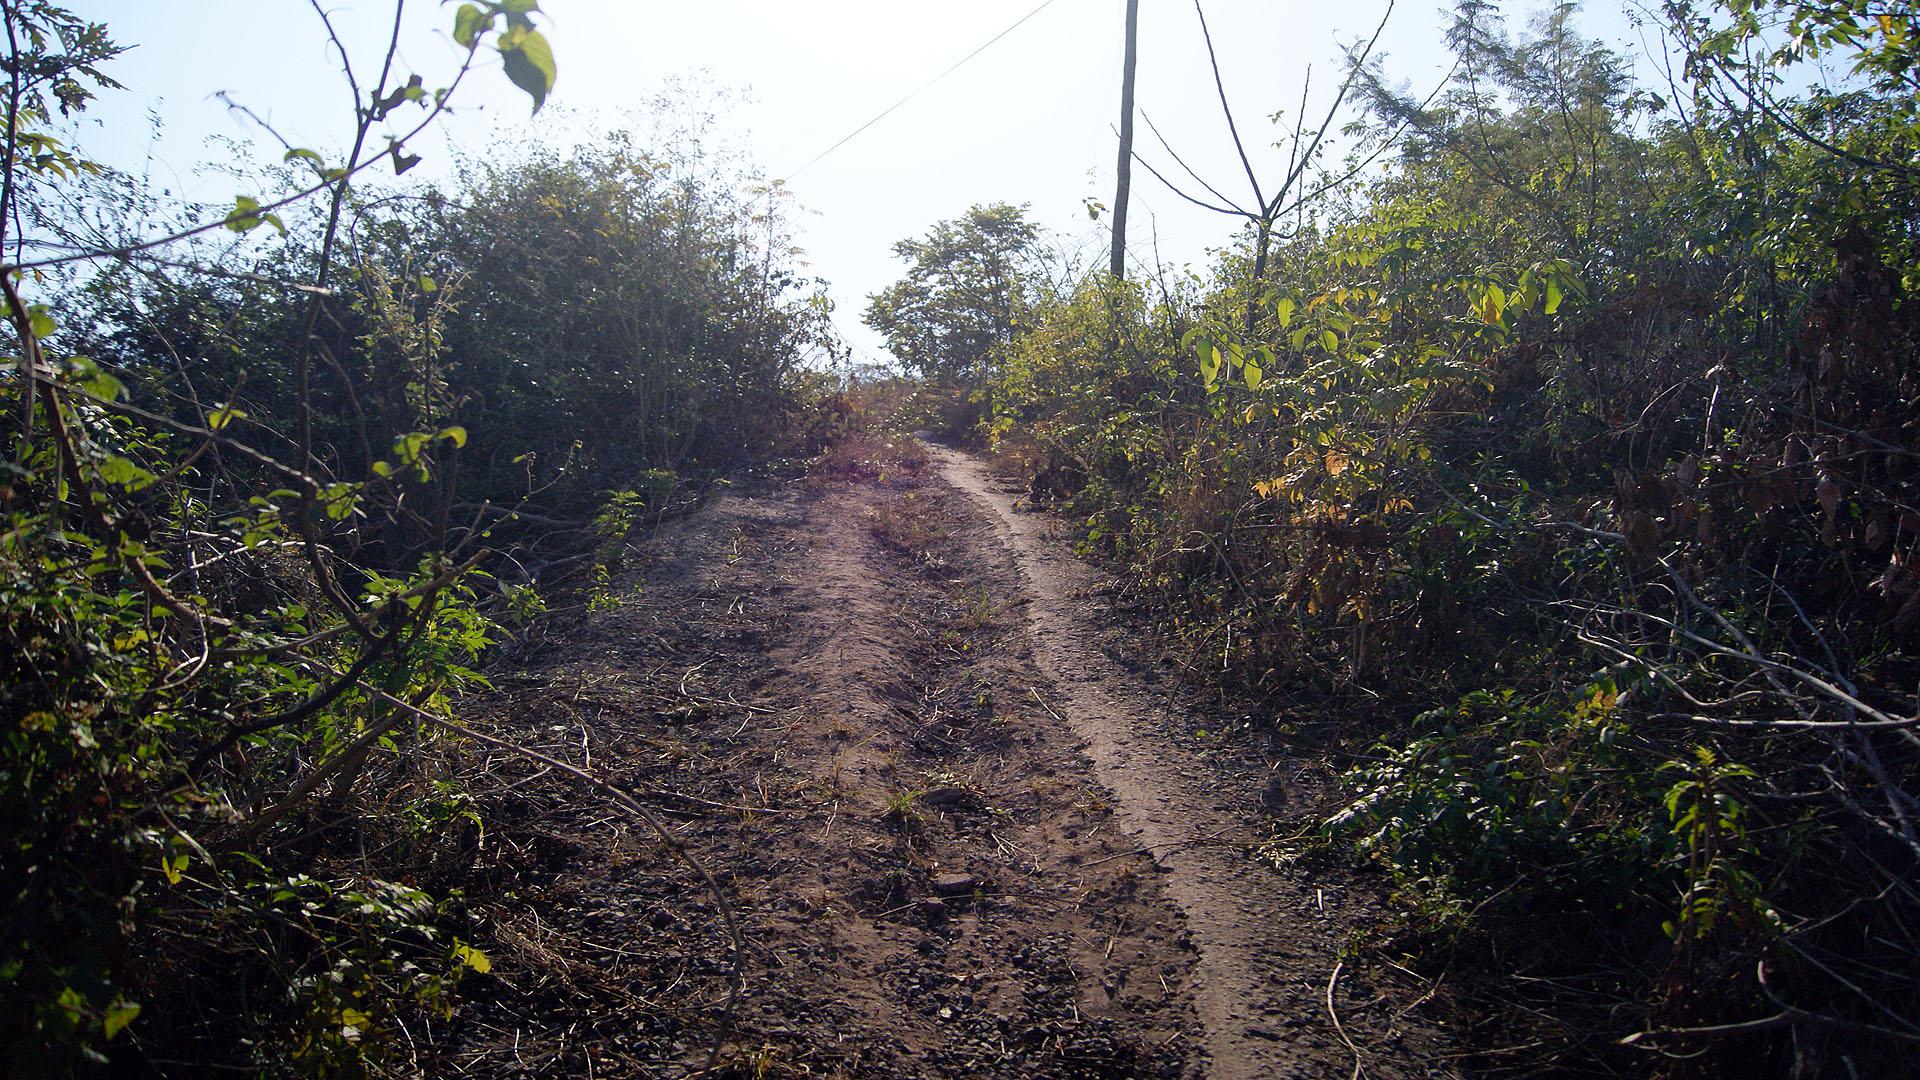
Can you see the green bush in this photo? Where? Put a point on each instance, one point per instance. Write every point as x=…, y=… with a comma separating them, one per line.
x=1495, y=805
x=251, y=514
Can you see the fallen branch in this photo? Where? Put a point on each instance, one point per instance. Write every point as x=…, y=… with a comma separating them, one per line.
x=1359, y=1070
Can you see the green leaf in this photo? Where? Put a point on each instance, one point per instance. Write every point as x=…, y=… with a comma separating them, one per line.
x=472, y=957
x=1553, y=295
x=519, y=13
x=224, y=415
x=1286, y=311
x=528, y=61
x=469, y=23
x=457, y=435
x=118, y=1016
x=95, y=380
x=122, y=472
x=1251, y=373
x=1329, y=340
x=40, y=321
x=1493, y=305
x=301, y=153
x=1210, y=361
x=409, y=447
x=245, y=215
x=339, y=501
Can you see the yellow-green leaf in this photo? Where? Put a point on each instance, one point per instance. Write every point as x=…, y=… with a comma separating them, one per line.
x=245, y=215
x=118, y=1016
x=222, y=416
x=473, y=958
x=1210, y=361
x=528, y=61
x=469, y=23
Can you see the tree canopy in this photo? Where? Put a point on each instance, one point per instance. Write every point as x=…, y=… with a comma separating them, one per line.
x=968, y=288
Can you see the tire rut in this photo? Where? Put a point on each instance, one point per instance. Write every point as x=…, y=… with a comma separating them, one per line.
x=904, y=709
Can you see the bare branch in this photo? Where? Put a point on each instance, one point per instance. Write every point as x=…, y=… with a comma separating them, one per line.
x=1305, y=158
x=1221, y=86
x=1164, y=145
x=1230, y=212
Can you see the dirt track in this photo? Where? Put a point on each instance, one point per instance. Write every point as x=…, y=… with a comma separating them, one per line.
x=962, y=825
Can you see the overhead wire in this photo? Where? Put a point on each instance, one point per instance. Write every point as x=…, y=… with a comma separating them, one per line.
x=922, y=88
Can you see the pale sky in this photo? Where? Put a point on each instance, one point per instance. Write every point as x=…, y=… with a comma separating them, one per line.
x=1028, y=121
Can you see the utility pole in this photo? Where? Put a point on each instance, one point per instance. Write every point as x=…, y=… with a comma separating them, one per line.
x=1125, y=170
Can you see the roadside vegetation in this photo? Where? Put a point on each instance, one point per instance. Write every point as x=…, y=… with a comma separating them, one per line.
x=280, y=478
x=1557, y=470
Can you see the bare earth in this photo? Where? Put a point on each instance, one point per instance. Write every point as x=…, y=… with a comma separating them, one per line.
x=965, y=826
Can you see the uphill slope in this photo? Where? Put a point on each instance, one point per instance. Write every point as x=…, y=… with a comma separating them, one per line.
x=961, y=837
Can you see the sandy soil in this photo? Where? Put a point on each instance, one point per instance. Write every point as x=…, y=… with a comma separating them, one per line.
x=963, y=822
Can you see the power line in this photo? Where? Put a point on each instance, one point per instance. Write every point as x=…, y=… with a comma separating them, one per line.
x=855, y=133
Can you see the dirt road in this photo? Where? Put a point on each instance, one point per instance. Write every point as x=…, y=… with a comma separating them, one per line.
x=967, y=830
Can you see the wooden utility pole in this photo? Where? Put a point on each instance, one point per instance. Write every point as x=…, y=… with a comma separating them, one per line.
x=1125, y=170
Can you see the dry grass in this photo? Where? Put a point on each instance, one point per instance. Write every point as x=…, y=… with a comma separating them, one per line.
x=889, y=460
x=904, y=525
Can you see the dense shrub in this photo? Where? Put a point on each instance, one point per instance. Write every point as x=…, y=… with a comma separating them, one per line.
x=251, y=521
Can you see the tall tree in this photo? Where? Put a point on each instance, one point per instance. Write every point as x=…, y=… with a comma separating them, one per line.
x=968, y=285
x=1124, y=170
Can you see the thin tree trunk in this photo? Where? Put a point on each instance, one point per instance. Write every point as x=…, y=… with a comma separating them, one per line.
x=1125, y=169
x=1263, y=239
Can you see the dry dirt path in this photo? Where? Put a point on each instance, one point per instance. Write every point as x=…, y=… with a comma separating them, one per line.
x=962, y=838
x=1264, y=942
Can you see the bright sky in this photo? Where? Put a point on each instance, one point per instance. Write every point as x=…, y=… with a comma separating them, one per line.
x=1030, y=120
